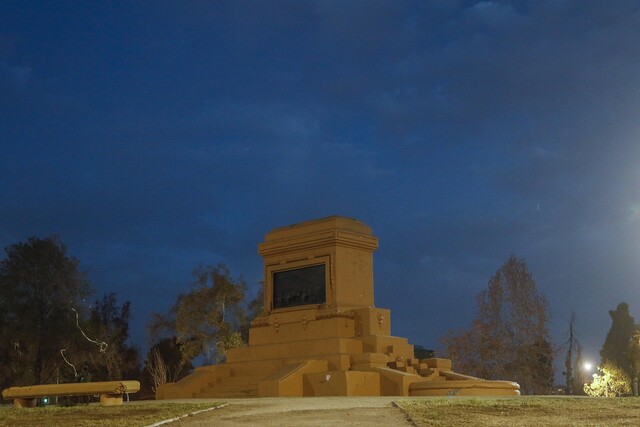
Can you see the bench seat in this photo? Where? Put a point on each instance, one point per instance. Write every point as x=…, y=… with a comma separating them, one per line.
x=110, y=391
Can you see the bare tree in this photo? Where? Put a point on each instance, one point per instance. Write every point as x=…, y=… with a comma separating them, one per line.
x=574, y=372
x=165, y=363
x=157, y=369
x=509, y=338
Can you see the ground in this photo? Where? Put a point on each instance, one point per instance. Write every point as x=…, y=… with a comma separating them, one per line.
x=453, y=411
x=342, y=411
x=307, y=411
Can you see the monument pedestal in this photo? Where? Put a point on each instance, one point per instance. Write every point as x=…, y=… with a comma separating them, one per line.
x=319, y=333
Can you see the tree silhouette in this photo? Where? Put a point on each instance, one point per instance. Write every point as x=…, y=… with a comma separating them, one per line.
x=39, y=286
x=616, y=345
x=509, y=337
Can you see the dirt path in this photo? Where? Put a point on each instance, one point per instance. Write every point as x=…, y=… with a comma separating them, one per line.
x=307, y=411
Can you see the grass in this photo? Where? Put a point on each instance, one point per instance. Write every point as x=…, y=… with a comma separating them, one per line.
x=128, y=414
x=524, y=411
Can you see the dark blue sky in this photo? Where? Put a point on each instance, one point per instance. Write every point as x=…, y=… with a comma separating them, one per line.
x=153, y=136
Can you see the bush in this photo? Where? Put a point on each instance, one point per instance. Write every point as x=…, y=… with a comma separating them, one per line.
x=613, y=381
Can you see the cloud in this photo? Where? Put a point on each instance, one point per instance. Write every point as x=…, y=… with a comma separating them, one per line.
x=17, y=77
x=272, y=120
x=495, y=15
x=461, y=132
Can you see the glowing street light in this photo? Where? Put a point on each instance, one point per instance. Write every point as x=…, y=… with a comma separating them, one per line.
x=587, y=367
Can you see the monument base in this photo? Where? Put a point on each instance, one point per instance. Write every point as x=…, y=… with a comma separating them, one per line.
x=349, y=364
x=319, y=333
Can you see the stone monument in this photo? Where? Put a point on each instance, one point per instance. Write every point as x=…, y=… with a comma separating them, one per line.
x=320, y=333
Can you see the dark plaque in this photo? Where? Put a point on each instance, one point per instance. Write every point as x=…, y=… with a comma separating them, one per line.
x=301, y=286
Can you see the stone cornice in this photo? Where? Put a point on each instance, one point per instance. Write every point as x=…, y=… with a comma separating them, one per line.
x=319, y=233
x=316, y=240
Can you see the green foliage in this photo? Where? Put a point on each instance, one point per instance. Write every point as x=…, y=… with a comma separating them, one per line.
x=231, y=340
x=419, y=352
x=39, y=284
x=509, y=338
x=616, y=345
x=612, y=381
x=209, y=317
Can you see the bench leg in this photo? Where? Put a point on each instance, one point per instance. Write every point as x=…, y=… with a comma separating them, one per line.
x=110, y=399
x=24, y=403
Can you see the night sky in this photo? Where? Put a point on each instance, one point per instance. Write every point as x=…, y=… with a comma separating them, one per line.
x=154, y=136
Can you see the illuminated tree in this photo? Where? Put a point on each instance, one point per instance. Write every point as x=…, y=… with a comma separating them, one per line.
x=209, y=318
x=612, y=381
x=509, y=337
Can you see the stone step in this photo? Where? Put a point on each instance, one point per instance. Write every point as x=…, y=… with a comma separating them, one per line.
x=242, y=386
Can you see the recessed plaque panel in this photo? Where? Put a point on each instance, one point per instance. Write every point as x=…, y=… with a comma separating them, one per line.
x=301, y=286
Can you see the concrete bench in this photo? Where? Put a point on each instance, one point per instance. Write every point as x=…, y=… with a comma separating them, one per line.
x=110, y=392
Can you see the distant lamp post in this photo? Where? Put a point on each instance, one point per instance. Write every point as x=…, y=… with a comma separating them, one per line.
x=586, y=369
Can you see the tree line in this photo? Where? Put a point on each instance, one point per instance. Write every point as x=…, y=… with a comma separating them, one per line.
x=49, y=332
x=509, y=339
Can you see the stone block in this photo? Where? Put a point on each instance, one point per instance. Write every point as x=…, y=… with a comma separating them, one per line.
x=436, y=363
x=342, y=383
